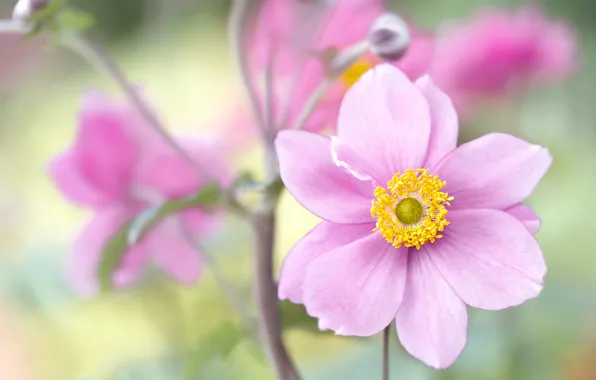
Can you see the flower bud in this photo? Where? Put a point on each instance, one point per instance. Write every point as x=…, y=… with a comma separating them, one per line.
x=389, y=37
x=25, y=8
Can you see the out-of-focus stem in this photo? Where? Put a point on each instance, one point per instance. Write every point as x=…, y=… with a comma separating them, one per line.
x=227, y=289
x=96, y=56
x=263, y=220
x=266, y=289
x=385, y=368
x=339, y=64
x=239, y=17
x=312, y=102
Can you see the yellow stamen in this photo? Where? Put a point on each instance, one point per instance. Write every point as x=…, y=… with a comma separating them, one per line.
x=354, y=72
x=412, y=210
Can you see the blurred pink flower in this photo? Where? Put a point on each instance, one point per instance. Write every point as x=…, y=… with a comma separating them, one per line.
x=119, y=166
x=448, y=230
x=498, y=51
x=298, y=45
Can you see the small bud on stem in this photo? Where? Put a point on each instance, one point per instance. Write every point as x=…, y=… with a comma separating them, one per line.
x=389, y=37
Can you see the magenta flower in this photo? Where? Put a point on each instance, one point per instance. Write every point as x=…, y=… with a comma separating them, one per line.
x=118, y=166
x=414, y=228
x=497, y=50
x=281, y=39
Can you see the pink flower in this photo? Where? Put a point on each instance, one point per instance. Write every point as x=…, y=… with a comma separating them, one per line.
x=118, y=166
x=295, y=42
x=414, y=228
x=497, y=50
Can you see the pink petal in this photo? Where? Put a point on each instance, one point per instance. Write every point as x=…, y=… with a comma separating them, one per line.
x=356, y=289
x=432, y=320
x=308, y=171
x=385, y=119
x=526, y=215
x=64, y=172
x=172, y=176
x=174, y=253
x=358, y=14
x=104, y=151
x=88, y=249
x=494, y=171
x=326, y=236
x=489, y=258
x=444, y=124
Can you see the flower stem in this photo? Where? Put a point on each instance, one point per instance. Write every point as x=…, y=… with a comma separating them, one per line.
x=340, y=64
x=385, y=370
x=99, y=58
x=263, y=220
x=312, y=102
x=264, y=229
x=227, y=289
x=239, y=17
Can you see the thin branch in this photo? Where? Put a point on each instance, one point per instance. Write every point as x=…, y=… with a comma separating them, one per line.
x=337, y=67
x=239, y=17
x=386, y=336
x=312, y=102
x=96, y=56
x=266, y=289
x=227, y=289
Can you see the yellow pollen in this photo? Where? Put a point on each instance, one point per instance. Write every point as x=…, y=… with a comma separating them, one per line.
x=411, y=211
x=354, y=72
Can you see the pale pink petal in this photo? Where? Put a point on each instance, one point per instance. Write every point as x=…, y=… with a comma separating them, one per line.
x=358, y=14
x=494, y=171
x=174, y=252
x=444, y=124
x=385, y=119
x=489, y=258
x=325, y=237
x=65, y=174
x=104, y=151
x=417, y=59
x=311, y=176
x=172, y=176
x=356, y=289
x=88, y=249
x=526, y=215
x=432, y=320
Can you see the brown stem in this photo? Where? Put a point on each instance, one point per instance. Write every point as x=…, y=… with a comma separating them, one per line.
x=266, y=292
x=385, y=371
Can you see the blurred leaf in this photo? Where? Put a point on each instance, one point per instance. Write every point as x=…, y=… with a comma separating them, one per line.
x=133, y=230
x=74, y=20
x=111, y=256
x=220, y=343
x=295, y=317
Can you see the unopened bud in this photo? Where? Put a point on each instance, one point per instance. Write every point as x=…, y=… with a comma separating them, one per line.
x=389, y=37
x=25, y=8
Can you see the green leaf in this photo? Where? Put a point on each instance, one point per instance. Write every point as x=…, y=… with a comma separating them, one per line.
x=219, y=344
x=112, y=255
x=133, y=230
x=74, y=20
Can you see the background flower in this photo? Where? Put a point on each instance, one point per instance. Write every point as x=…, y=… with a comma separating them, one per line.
x=118, y=166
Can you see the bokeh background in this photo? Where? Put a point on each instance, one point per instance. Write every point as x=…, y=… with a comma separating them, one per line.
x=177, y=49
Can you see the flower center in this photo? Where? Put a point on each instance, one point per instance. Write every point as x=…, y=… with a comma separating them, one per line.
x=354, y=72
x=411, y=211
